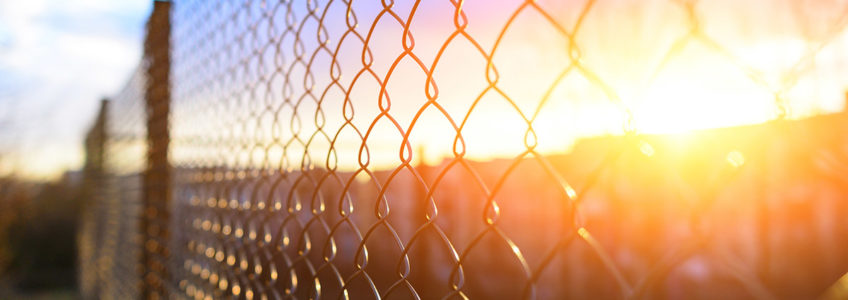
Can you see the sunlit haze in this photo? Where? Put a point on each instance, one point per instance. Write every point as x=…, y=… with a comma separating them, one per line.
x=644, y=66
x=638, y=61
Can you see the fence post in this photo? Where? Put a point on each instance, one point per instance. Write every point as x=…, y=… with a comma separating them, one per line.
x=89, y=238
x=156, y=180
x=420, y=210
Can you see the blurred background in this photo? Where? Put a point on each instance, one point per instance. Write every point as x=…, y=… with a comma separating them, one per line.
x=592, y=149
x=57, y=59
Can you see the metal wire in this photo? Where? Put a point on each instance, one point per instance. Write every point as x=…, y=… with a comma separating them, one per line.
x=294, y=172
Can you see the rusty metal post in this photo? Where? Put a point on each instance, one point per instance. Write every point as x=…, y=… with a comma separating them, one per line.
x=156, y=178
x=423, y=254
x=89, y=239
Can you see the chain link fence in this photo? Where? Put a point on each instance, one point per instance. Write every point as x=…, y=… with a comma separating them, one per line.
x=470, y=149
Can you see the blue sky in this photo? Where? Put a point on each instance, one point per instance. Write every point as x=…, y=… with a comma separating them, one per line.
x=57, y=60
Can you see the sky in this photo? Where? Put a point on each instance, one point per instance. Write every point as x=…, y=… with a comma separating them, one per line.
x=57, y=60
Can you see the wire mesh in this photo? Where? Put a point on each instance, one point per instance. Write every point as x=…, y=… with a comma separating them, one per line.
x=417, y=149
